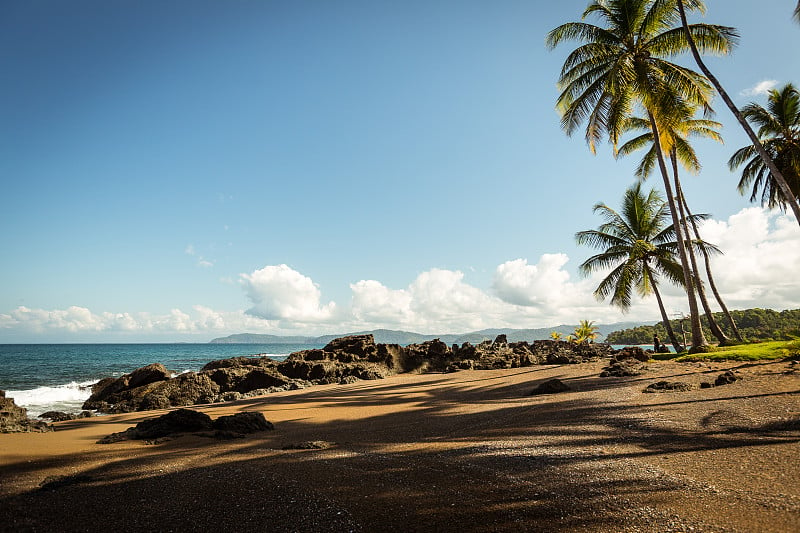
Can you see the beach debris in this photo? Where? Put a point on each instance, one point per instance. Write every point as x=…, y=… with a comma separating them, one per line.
x=551, y=386
x=668, y=386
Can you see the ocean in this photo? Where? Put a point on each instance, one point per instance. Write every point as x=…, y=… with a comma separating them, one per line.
x=58, y=377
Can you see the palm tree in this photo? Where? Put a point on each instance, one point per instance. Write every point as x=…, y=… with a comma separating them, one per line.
x=682, y=151
x=625, y=64
x=638, y=248
x=586, y=332
x=693, y=41
x=779, y=131
x=797, y=12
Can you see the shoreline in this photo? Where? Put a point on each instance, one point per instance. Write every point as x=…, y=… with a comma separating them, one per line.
x=467, y=451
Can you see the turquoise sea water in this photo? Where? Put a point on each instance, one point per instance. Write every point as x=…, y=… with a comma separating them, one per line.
x=44, y=377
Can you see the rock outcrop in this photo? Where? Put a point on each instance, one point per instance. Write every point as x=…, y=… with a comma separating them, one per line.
x=191, y=421
x=14, y=419
x=726, y=378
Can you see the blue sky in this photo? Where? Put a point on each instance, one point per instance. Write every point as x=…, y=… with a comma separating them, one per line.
x=186, y=169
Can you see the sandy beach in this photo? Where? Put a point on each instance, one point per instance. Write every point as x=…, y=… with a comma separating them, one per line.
x=467, y=451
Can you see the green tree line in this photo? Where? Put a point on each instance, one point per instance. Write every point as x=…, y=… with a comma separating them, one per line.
x=754, y=324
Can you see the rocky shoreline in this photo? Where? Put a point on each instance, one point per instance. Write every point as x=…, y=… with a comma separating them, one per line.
x=343, y=360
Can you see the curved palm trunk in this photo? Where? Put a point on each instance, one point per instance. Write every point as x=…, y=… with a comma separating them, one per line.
x=665, y=320
x=701, y=291
x=699, y=343
x=791, y=199
x=711, y=283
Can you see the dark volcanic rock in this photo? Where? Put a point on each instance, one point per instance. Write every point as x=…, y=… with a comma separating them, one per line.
x=246, y=378
x=189, y=421
x=562, y=352
x=632, y=352
x=14, y=419
x=726, y=378
x=245, y=422
x=57, y=416
x=179, y=421
x=624, y=368
x=241, y=362
x=111, y=391
x=668, y=386
x=148, y=374
x=185, y=389
x=551, y=386
x=357, y=346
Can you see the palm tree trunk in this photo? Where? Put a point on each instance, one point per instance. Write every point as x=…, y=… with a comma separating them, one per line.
x=699, y=343
x=701, y=291
x=710, y=277
x=791, y=199
x=665, y=320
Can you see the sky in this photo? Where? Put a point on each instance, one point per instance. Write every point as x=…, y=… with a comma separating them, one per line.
x=184, y=170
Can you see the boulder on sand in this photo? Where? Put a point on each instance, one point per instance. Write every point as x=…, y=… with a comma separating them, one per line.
x=551, y=386
x=14, y=419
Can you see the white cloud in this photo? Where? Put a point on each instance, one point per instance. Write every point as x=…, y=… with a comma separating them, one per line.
x=758, y=269
x=761, y=253
x=199, y=319
x=539, y=285
x=760, y=88
x=281, y=293
x=375, y=303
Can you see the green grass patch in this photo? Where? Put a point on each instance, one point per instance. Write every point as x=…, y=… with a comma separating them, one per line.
x=762, y=351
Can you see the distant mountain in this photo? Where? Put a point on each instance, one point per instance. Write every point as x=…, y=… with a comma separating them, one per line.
x=260, y=338
x=388, y=336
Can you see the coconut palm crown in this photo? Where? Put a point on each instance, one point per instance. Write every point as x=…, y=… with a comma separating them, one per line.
x=627, y=63
x=637, y=247
x=779, y=131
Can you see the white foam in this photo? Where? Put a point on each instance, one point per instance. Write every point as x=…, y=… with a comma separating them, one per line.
x=68, y=397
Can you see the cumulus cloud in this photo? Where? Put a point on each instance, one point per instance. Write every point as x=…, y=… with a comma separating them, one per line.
x=538, y=285
x=762, y=87
x=82, y=320
x=281, y=293
x=761, y=253
x=374, y=303
x=758, y=269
